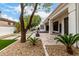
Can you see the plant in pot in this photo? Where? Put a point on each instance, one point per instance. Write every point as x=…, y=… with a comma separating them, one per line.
x=37, y=33
x=68, y=41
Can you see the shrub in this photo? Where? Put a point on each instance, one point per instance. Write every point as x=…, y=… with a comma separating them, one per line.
x=68, y=41
x=33, y=40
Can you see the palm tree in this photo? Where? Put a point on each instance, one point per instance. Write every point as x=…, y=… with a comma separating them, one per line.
x=68, y=41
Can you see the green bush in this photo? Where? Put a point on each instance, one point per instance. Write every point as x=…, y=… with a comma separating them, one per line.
x=33, y=40
x=68, y=41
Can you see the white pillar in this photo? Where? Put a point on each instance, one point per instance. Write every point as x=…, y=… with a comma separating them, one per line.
x=62, y=25
x=72, y=18
x=50, y=27
x=77, y=21
x=44, y=27
x=77, y=17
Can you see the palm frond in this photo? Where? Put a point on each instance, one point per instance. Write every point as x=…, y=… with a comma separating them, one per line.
x=70, y=37
x=59, y=39
x=67, y=40
x=64, y=38
x=33, y=40
x=75, y=39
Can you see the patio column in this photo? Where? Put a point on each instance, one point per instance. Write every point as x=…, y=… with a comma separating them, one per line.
x=72, y=18
x=50, y=27
x=44, y=27
x=77, y=6
x=77, y=22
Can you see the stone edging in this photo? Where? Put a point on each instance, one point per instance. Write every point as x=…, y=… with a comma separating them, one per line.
x=45, y=49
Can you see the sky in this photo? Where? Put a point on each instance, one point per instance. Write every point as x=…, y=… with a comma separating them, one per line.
x=11, y=11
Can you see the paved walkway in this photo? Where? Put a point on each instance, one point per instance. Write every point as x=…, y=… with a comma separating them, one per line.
x=12, y=37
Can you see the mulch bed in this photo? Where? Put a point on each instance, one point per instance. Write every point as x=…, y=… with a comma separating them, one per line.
x=60, y=50
x=24, y=49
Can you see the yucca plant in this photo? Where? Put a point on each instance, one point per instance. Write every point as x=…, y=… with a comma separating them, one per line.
x=33, y=40
x=68, y=41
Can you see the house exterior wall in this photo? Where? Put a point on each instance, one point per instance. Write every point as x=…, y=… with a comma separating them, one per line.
x=6, y=27
x=6, y=30
x=6, y=23
x=60, y=19
x=58, y=16
x=73, y=18
x=72, y=15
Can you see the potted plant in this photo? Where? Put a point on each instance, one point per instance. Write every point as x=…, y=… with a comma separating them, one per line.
x=37, y=33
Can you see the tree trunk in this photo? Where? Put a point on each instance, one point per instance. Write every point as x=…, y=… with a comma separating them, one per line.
x=23, y=32
x=69, y=50
x=23, y=36
x=31, y=17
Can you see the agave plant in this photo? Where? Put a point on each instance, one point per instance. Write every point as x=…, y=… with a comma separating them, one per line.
x=68, y=41
x=33, y=40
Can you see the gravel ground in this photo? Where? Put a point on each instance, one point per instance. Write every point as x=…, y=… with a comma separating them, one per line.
x=59, y=50
x=24, y=49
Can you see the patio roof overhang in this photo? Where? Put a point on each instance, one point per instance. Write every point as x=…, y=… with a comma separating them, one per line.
x=46, y=21
x=63, y=8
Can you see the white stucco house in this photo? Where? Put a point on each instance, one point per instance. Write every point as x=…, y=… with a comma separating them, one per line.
x=63, y=20
x=7, y=27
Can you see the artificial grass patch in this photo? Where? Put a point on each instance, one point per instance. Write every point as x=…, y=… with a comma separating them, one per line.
x=4, y=43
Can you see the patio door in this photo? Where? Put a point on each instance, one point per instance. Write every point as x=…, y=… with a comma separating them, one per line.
x=60, y=27
x=47, y=28
x=66, y=25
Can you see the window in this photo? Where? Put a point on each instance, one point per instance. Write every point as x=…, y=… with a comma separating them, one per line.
x=55, y=26
x=42, y=27
x=9, y=23
x=13, y=23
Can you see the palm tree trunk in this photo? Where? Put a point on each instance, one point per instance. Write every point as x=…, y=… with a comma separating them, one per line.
x=69, y=50
x=23, y=32
x=30, y=21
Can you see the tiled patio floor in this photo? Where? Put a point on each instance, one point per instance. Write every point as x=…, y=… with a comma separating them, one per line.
x=48, y=39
